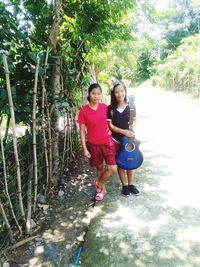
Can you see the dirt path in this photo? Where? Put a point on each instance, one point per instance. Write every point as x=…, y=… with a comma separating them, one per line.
x=170, y=130
x=159, y=228
x=61, y=228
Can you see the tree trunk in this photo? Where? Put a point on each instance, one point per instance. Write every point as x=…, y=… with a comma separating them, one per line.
x=55, y=87
x=55, y=130
x=94, y=72
x=19, y=185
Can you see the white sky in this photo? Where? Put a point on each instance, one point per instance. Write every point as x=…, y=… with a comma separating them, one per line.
x=161, y=5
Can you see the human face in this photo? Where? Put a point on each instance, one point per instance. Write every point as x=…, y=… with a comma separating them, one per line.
x=120, y=93
x=95, y=96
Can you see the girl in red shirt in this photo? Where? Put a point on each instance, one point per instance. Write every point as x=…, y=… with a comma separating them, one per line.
x=92, y=119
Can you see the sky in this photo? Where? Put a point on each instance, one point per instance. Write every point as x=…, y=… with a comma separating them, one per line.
x=161, y=5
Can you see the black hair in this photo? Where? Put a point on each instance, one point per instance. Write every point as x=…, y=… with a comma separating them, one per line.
x=113, y=98
x=91, y=87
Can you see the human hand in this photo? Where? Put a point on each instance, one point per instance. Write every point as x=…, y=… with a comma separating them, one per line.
x=86, y=153
x=129, y=133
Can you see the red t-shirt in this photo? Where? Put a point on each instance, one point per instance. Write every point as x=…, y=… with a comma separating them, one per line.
x=96, y=123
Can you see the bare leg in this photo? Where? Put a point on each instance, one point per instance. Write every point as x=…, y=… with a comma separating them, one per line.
x=122, y=176
x=106, y=174
x=132, y=188
x=99, y=171
x=130, y=174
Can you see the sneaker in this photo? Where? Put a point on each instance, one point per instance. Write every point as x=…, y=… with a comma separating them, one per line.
x=125, y=192
x=133, y=189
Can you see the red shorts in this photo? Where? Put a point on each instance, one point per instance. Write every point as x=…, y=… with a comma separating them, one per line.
x=99, y=153
x=117, y=147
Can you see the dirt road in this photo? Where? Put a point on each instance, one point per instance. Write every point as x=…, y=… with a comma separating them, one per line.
x=161, y=227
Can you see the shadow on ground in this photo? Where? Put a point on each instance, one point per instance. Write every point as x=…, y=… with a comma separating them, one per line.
x=142, y=230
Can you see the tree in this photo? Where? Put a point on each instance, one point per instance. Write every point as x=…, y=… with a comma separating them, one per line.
x=71, y=30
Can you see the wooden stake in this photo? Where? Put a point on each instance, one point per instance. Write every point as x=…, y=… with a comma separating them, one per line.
x=14, y=136
x=29, y=199
x=6, y=182
x=21, y=243
x=6, y=221
x=47, y=159
x=44, y=135
x=49, y=133
x=35, y=165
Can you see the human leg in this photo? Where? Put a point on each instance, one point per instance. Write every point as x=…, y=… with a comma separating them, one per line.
x=132, y=188
x=105, y=175
x=108, y=154
x=95, y=181
x=101, y=183
x=130, y=174
x=122, y=177
x=99, y=170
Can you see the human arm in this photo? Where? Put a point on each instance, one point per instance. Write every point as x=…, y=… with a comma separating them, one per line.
x=116, y=129
x=86, y=153
x=133, y=124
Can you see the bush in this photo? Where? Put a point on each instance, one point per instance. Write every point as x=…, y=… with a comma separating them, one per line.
x=181, y=71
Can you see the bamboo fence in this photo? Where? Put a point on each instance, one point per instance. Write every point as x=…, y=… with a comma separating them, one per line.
x=26, y=161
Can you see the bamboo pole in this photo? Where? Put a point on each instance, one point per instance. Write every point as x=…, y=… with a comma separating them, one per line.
x=46, y=61
x=6, y=222
x=6, y=182
x=35, y=165
x=75, y=130
x=21, y=243
x=44, y=135
x=65, y=139
x=49, y=133
x=45, y=103
x=48, y=165
x=19, y=185
x=68, y=138
x=70, y=135
x=29, y=199
x=76, y=112
x=7, y=128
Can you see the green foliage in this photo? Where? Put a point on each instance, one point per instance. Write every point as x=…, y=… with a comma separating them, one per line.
x=132, y=62
x=145, y=65
x=87, y=27
x=183, y=21
x=84, y=26
x=183, y=24
x=181, y=70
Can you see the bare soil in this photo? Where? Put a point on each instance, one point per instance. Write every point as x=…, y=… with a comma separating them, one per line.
x=60, y=229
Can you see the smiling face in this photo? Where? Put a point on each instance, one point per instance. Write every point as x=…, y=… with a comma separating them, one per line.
x=95, y=95
x=119, y=93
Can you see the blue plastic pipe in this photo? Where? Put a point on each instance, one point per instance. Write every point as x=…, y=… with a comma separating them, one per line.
x=78, y=254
